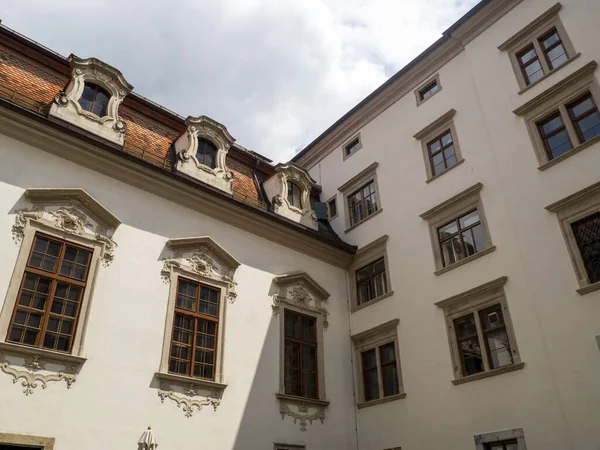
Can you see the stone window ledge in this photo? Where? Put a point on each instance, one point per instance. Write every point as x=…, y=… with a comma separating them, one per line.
x=380, y=401
x=50, y=355
x=308, y=401
x=363, y=221
x=466, y=260
x=590, y=288
x=370, y=302
x=570, y=153
x=489, y=373
x=435, y=177
x=25, y=440
x=186, y=381
x=577, y=55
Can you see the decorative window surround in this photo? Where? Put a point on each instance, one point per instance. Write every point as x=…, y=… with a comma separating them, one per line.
x=373, y=339
x=517, y=434
x=433, y=130
x=555, y=99
x=186, y=147
x=461, y=203
x=569, y=210
x=363, y=256
x=300, y=293
x=530, y=35
x=66, y=104
x=276, y=188
x=350, y=186
x=434, y=79
x=472, y=301
x=74, y=216
x=203, y=260
x=25, y=440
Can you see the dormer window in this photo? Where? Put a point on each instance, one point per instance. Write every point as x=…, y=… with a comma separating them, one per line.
x=294, y=195
x=207, y=153
x=94, y=99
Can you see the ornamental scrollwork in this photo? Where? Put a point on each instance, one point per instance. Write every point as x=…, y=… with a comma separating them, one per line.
x=21, y=219
x=32, y=378
x=302, y=416
x=188, y=403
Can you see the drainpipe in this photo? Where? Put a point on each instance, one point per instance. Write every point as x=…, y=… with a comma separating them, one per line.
x=352, y=365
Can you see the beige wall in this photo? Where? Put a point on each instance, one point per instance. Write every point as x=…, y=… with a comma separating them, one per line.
x=556, y=397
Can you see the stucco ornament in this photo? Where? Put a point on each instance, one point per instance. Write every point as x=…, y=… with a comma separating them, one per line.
x=301, y=291
x=186, y=147
x=34, y=374
x=70, y=211
x=147, y=441
x=66, y=104
x=302, y=415
x=190, y=401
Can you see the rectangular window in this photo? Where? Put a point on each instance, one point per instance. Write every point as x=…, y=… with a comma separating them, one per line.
x=587, y=237
x=530, y=65
x=352, y=147
x=380, y=372
x=371, y=281
x=554, y=135
x=370, y=376
x=553, y=49
x=362, y=203
x=461, y=238
x=504, y=445
x=441, y=151
x=584, y=115
x=428, y=90
x=332, y=208
x=300, y=355
x=50, y=294
x=194, y=340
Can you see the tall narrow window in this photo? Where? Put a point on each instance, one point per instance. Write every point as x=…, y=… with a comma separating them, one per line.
x=94, y=99
x=362, y=203
x=300, y=355
x=380, y=372
x=587, y=236
x=370, y=376
x=50, y=295
x=441, y=153
x=389, y=369
x=206, y=153
x=194, y=339
x=461, y=238
x=553, y=49
x=530, y=65
x=554, y=135
x=371, y=281
x=468, y=345
x=294, y=195
x=585, y=117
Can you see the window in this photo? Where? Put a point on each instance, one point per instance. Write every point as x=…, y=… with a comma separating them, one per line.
x=371, y=281
x=554, y=135
x=428, y=89
x=441, y=153
x=300, y=355
x=539, y=49
x=378, y=364
x=294, y=195
x=441, y=150
x=501, y=440
x=482, y=340
x=50, y=295
x=94, y=99
x=206, y=153
x=459, y=230
x=461, y=238
x=352, y=146
x=289, y=447
x=584, y=114
x=503, y=445
x=332, y=208
x=587, y=236
x=194, y=338
x=361, y=197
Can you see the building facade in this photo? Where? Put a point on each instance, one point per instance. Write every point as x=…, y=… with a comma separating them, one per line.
x=425, y=273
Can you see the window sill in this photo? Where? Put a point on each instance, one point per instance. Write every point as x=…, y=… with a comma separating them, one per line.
x=363, y=221
x=185, y=380
x=589, y=288
x=370, y=302
x=465, y=261
x=380, y=401
x=308, y=401
x=489, y=373
x=435, y=177
x=570, y=153
x=49, y=355
x=526, y=88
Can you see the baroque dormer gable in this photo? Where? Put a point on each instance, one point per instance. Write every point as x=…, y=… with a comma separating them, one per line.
x=289, y=192
x=202, y=152
x=91, y=99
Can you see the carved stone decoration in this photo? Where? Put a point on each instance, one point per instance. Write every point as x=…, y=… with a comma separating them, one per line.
x=190, y=401
x=66, y=104
x=71, y=211
x=186, y=147
x=32, y=376
x=302, y=416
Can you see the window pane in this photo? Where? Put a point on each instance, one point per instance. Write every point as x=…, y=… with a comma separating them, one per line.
x=499, y=347
x=435, y=147
x=551, y=39
x=363, y=292
x=527, y=56
x=387, y=353
x=587, y=236
x=552, y=124
x=469, y=219
x=589, y=126
x=557, y=56
x=471, y=355
x=492, y=318
x=446, y=139
x=101, y=103
x=389, y=376
x=534, y=72
x=583, y=106
x=448, y=230
x=466, y=327
x=451, y=251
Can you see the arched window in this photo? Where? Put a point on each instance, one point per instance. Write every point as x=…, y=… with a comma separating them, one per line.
x=207, y=153
x=294, y=195
x=94, y=99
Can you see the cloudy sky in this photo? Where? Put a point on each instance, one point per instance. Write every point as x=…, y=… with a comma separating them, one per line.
x=277, y=73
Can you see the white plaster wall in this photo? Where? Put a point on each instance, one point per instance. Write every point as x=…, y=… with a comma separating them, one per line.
x=115, y=398
x=556, y=397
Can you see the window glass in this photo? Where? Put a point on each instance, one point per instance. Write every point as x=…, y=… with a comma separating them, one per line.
x=94, y=99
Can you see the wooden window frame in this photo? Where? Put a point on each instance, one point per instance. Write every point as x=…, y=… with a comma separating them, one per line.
x=301, y=344
x=374, y=339
x=201, y=156
x=371, y=279
x=523, y=66
x=423, y=86
x=474, y=301
x=575, y=120
x=290, y=194
x=451, y=209
x=441, y=151
x=348, y=143
x=530, y=36
x=483, y=441
x=458, y=233
x=546, y=136
x=362, y=204
x=363, y=178
x=546, y=51
x=441, y=126
x=97, y=89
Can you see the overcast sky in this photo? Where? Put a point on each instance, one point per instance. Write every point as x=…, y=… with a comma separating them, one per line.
x=276, y=73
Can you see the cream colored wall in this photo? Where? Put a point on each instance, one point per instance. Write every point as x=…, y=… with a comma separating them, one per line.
x=115, y=396
x=556, y=397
